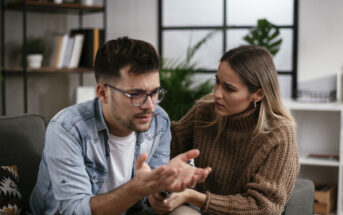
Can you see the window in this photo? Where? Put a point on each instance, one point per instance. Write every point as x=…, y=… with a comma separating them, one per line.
x=184, y=22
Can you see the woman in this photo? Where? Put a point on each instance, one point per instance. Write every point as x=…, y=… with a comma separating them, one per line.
x=245, y=134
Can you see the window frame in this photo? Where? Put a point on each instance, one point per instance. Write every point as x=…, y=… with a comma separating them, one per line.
x=224, y=29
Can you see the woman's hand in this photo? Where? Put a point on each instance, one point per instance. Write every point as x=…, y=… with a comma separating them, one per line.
x=164, y=205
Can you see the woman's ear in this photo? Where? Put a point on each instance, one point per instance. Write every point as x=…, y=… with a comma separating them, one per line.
x=101, y=92
x=258, y=95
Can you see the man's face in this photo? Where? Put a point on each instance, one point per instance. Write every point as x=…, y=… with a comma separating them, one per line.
x=123, y=117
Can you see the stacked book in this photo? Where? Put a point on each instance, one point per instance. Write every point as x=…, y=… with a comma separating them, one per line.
x=77, y=49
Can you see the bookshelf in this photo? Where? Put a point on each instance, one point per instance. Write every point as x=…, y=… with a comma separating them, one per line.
x=46, y=70
x=51, y=7
x=319, y=128
x=28, y=6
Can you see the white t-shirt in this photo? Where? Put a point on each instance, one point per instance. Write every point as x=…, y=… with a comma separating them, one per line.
x=122, y=150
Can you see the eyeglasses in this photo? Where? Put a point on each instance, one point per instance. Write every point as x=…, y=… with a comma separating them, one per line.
x=140, y=97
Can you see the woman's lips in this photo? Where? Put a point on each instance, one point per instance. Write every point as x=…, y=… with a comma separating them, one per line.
x=219, y=105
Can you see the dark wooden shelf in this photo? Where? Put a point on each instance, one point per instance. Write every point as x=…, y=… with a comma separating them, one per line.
x=50, y=7
x=19, y=70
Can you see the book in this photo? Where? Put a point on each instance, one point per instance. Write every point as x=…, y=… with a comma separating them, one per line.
x=50, y=56
x=76, y=51
x=93, y=39
x=67, y=54
x=62, y=51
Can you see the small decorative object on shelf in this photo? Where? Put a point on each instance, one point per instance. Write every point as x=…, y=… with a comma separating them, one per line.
x=325, y=198
x=87, y=2
x=316, y=96
x=35, y=48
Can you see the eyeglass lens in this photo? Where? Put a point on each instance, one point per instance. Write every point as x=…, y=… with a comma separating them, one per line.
x=156, y=97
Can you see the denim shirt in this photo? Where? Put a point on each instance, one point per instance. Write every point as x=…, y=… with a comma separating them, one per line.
x=76, y=154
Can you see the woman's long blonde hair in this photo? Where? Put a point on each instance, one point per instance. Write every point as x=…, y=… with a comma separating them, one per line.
x=256, y=68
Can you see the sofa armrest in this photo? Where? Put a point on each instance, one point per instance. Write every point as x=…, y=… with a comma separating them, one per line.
x=21, y=144
x=302, y=199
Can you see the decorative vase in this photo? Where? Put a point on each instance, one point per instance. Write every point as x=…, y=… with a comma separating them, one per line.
x=34, y=60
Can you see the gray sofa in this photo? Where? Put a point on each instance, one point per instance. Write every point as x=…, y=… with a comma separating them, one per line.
x=22, y=142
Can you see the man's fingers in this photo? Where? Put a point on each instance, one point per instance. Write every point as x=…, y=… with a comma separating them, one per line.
x=158, y=173
x=169, y=177
x=200, y=171
x=140, y=160
x=192, y=182
x=189, y=155
x=202, y=174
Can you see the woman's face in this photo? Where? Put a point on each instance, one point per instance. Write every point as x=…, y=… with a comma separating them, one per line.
x=231, y=94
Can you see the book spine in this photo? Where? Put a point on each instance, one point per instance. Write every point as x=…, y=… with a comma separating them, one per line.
x=76, y=52
x=62, y=51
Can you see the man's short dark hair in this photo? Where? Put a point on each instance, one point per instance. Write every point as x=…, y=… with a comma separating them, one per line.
x=141, y=56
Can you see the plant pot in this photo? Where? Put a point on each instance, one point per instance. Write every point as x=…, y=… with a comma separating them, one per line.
x=34, y=60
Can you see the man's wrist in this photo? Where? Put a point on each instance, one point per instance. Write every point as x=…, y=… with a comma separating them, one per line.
x=136, y=188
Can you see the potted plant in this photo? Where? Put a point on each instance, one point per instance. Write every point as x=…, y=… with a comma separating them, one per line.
x=35, y=48
x=265, y=34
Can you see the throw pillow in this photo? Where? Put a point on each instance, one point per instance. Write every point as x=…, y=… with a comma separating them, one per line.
x=10, y=197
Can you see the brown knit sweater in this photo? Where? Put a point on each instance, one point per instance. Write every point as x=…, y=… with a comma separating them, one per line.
x=249, y=175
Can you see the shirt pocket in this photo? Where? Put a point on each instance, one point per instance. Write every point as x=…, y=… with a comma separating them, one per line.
x=97, y=176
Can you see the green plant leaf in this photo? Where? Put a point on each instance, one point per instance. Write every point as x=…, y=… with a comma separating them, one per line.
x=35, y=46
x=265, y=34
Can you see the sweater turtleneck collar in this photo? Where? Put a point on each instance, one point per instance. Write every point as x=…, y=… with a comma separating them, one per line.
x=245, y=120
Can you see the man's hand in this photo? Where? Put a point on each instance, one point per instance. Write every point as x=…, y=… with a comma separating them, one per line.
x=176, y=176
x=189, y=175
x=152, y=181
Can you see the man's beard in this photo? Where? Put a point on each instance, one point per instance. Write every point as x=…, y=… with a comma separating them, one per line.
x=129, y=124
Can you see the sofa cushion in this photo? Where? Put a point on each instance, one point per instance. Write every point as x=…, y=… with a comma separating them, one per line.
x=10, y=196
x=21, y=144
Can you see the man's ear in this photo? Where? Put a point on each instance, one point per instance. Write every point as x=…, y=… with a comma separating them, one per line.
x=258, y=95
x=101, y=92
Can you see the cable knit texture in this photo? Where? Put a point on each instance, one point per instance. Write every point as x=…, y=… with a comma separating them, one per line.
x=249, y=175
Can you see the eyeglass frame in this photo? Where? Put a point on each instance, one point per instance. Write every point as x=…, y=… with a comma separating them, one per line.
x=131, y=96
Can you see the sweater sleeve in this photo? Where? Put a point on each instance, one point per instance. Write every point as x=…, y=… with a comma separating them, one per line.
x=182, y=133
x=270, y=187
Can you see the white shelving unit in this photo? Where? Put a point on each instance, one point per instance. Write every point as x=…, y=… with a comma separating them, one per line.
x=319, y=128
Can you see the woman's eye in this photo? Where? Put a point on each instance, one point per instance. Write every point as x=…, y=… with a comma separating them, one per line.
x=228, y=88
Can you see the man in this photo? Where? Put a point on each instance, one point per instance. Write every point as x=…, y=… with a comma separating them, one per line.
x=103, y=156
